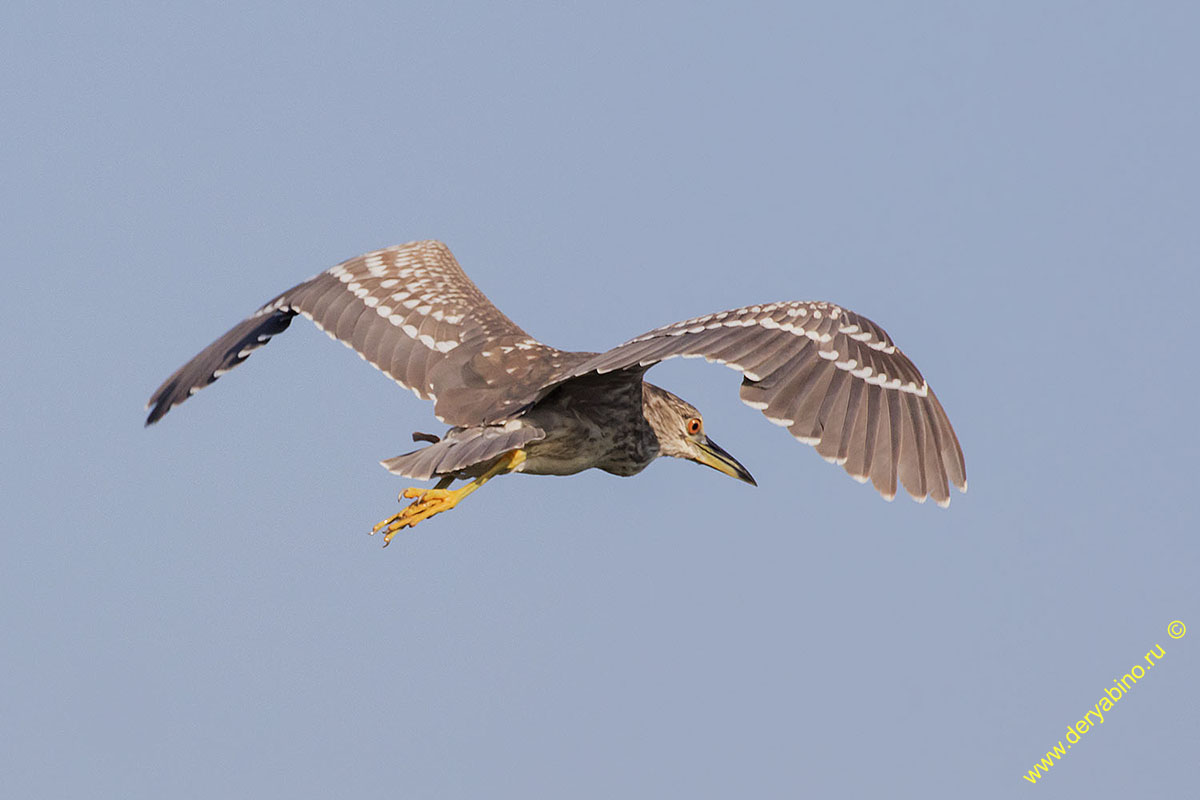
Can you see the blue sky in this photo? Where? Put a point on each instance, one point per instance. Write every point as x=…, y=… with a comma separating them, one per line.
x=195, y=610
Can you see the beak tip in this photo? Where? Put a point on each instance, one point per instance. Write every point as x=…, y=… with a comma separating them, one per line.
x=713, y=455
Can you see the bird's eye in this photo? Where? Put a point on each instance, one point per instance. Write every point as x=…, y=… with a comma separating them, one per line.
x=693, y=426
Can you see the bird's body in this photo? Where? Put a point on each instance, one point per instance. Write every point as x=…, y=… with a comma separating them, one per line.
x=596, y=423
x=832, y=377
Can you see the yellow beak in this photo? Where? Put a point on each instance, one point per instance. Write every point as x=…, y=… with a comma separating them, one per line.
x=713, y=455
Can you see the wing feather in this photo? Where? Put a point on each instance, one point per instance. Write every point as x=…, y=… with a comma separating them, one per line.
x=412, y=312
x=849, y=419
x=833, y=377
x=794, y=394
x=832, y=415
x=912, y=458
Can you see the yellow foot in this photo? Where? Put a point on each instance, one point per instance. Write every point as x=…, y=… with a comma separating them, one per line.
x=426, y=503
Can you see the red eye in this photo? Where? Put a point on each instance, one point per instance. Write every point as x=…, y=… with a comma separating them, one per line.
x=693, y=426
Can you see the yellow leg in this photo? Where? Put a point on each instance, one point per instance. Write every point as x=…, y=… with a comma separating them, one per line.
x=427, y=502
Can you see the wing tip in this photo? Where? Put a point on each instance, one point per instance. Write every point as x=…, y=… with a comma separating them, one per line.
x=157, y=408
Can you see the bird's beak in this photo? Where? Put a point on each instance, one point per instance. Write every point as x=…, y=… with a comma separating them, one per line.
x=712, y=455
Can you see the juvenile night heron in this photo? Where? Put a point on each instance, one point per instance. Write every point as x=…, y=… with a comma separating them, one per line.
x=832, y=377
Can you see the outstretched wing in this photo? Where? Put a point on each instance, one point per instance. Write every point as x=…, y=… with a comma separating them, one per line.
x=831, y=377
x=412, y=312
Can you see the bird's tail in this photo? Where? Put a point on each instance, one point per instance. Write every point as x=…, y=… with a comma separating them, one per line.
x=460, y=450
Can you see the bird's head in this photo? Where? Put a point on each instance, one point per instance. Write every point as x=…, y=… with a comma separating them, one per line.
x=680, y=431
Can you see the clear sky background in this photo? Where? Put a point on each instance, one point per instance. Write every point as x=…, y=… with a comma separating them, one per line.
x=195, y=610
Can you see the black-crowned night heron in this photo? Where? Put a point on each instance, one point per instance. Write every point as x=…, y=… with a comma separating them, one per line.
x=831, y=377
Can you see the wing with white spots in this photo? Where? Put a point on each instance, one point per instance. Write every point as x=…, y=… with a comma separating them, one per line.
x=410, y=311
x=833, y=378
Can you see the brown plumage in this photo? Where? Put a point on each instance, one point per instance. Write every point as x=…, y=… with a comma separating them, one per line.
x=833, y=378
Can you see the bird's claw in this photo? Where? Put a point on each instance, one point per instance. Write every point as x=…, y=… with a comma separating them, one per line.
x=426, y=503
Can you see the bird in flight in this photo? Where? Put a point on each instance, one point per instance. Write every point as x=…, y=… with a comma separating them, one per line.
x=832, y=377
